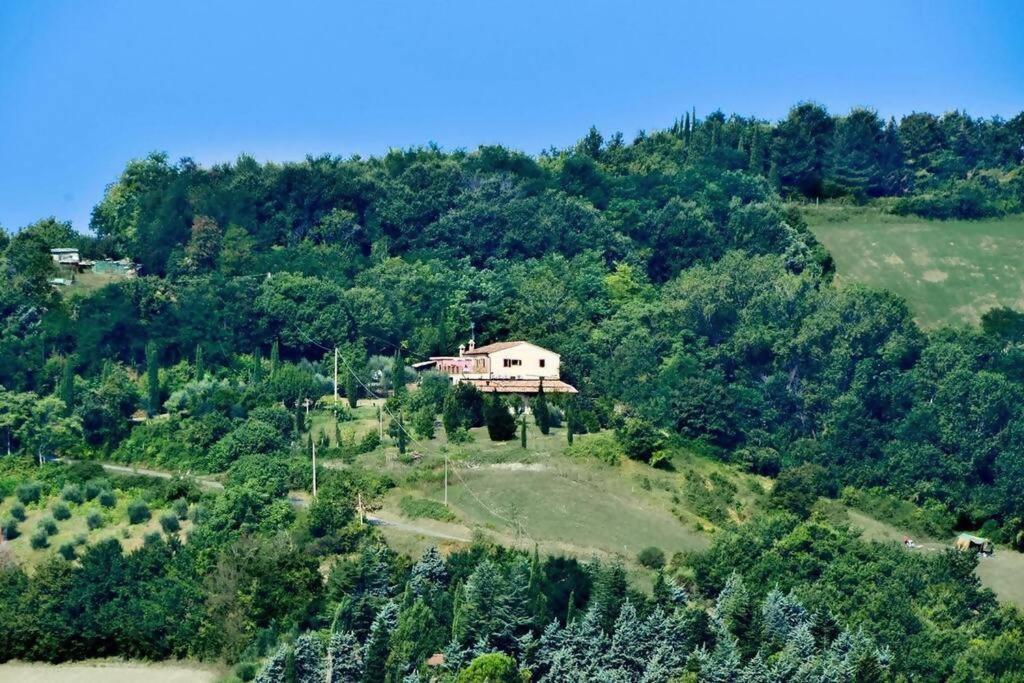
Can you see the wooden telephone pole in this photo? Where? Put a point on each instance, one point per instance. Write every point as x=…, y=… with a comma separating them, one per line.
x=313, y=441
x=335, y=374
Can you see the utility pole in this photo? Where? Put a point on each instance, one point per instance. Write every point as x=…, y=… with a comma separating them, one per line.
x=313, y=441
x=446, y=480
x=335, y=374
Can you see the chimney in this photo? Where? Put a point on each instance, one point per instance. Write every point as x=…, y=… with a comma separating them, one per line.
x=472, y=344
x=462, y=349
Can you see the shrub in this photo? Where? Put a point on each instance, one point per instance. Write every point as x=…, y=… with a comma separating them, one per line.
x=107, y=499
x=18, y=512
x=651, y=557
x=490, y=668
x=80, y=539
x=639, y=439
x=180, y=507
x=67, y=551
x=415, y=508
x=61, y=511
x=29, y=492
x=169, y=523
x=604, y=447
x=423, y=422
x=39, y=539
x=94, y=520
x=48, y=525
x=73, y=494
x=94, y=487
x=10, y=529
x=138, y=512
x=460, y=435
x=369, y=443
x=797, y=488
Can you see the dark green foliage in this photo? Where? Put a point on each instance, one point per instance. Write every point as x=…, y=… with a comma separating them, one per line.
x=73, y=493
x=463, y=407
x=501, y=424
x=67, y=385
x=18, y=512
x=308, y=658
x=651, y=557
x=169, y=523
x=422, y=507
x=423, y=422
x=138, y=512
x=346, y=658
x=107, y=498
x=47, y=525
x=639, y=439
x=541, y=411
x=61, y=512
x=522, y=432
x=152, y=380
x=180, y=508
x=200, y=363
x=490, y=668
x=276, y=668
x=39, y=539
x=797, y=488
x=29, y=492
x=10, y=529
x=67, y=551
x=94, y=520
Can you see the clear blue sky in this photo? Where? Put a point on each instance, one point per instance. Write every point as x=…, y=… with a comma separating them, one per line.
x=85, y=86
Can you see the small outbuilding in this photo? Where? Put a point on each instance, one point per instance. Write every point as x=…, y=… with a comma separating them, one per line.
x=974, y=543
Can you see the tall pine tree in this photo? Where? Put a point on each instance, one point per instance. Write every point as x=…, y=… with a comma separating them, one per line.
x=275, y=357
x=346, y=658
x=309, y=659
x=152, y=380
x=541, y=412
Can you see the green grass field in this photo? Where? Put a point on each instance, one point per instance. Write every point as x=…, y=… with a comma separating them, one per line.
x=566, y=505
x=950, y=272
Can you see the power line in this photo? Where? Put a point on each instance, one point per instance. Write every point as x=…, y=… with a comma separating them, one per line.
x=517, y=526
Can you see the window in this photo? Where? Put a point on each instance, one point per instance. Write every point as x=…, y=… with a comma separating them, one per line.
x=542, y=362
x=511, y=362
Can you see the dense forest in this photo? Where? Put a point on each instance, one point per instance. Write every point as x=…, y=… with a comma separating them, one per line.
x=691, y=305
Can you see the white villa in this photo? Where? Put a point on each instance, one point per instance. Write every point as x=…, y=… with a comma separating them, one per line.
x=514, y=367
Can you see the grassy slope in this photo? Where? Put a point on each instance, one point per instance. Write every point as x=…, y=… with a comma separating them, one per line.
x=951, y=272
x=541, y=495
x=117, y=526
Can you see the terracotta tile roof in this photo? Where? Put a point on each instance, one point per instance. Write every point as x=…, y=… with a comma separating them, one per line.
x=492, y=348
x=521, y=386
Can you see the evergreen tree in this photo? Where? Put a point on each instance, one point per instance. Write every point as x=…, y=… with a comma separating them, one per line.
x=608, y=594
x=756, y=163
x=429, y=573
x=416, y=637
x=501, y=425
x=276, y=668
x=346, y=658
x=67, y=385
x=200, y=363
x=541, y=412
x=152, y=380
x=398, y=375
x=309, y=659
x=522, y=433
x=352, y=389
x=257, y=366
x=377, y=649
x=535, y=590
x=400, y=436
x=627, y=652
x=570, y=426
x=451, y=417
x=275, y=357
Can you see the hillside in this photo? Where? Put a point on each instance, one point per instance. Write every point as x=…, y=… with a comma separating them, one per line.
x=950, y=271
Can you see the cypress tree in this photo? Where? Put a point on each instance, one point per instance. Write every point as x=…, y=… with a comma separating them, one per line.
x=152, y=380
x=542, y=414
x=398, y=375
x=346, y=658
x=756, y=164
x=275, y=357
x=400, y=427
x=352, y=389
x=522, y=433
x=257, y=367
x=200, y=363
x=569, y=427
x=501, y=425
x=67, y=385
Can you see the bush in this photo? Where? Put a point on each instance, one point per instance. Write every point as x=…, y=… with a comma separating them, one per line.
x=29, y=492
x=369, y=443
x=459, y=435
x=639, y=439
x=180, y=507
x=48, y=525
x=604, y=447
x=18, y=512
x=67, y=551
x=10, y=529
x=415, y=508
x=138, y=512
x=169, y=523
x=107, y=499
x=39, y=539
x=651, y=557
x=797, y=489
x=73, y=494
x=490, y=668
x=94, y=487
x=61, y=511
x=423, y=422
x=94, y=520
